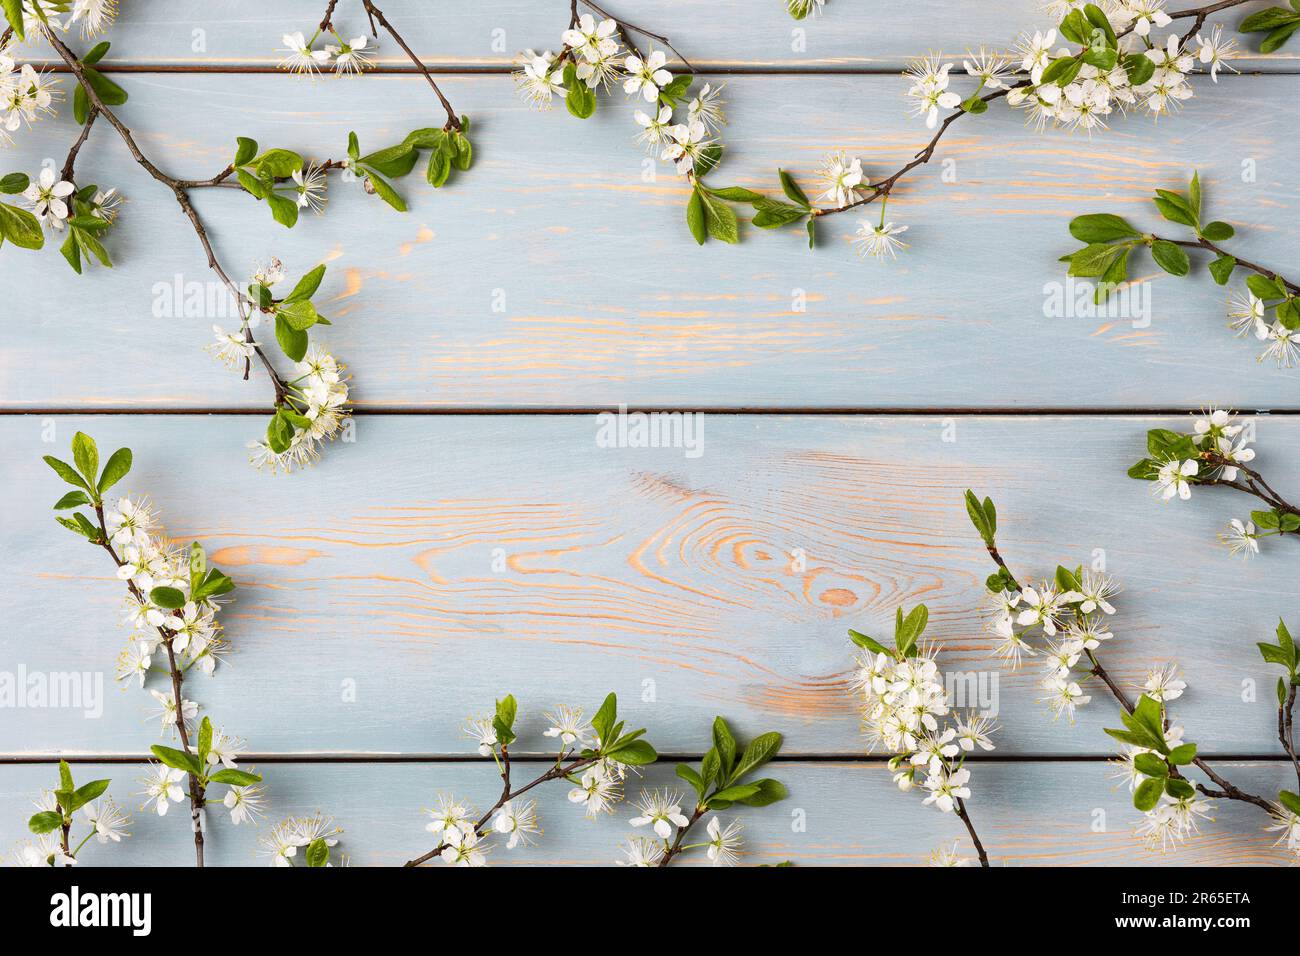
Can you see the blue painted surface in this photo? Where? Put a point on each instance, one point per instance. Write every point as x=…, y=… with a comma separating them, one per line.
x=440, y=561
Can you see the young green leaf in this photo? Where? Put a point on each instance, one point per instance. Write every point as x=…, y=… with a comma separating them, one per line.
x=176, y=759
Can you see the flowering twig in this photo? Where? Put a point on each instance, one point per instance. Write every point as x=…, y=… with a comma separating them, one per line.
x=1111, y=240
x=1215, y=453
x=903, y=697
x=601, y=763
x=1074, y=606
x=55, y=809
x=177, y=604
x=1114, y=66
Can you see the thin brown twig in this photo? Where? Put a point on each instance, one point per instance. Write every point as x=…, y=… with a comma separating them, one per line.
x=676, y=848
x=178, y=190
x=1227, y=789
x=886, y=186
x=1244, y=263
x=70, y=163
x=377, y=15
x=177, y=678
x=964, y=816
x=557, y=772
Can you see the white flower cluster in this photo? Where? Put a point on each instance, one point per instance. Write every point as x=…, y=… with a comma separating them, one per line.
x=149, y=560
x=284, y=840
x=1214, y=432
x=1249, y=315
x=1059, y=87
x=344, y=56
x=1071, y=621
x=661, y=810
x=25, y=95
x=107, y=821
x=1287, y=822
x=318, y=391
x=903, y=701
x=1173, y=819
x=592, y=48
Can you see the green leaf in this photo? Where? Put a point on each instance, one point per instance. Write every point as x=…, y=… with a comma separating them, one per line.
x=908, y=629
x=300, y=314
x=171, y=598
x=66, y=472
x=1179, y=788
x=1170, y=257
x=769, y=791
x=580, y=100
x=318, y=853
x=73, y=499
x=724, y=742
x=395, y=161
x=792, y=190
x=1221, y=269
x=20, y=227
x=245, y=150
x=109, y=92
x=869, y=643
x=176, y=759
x=234, y=778
x=14, y=183
x=85, y=793
x=284, y=210
x=1175, y=207
x=1217, y=231
x=1101, y=227
x=689, y=774
x=711, y=766
x=117, y=467
x=635, y=754
x=386, y=192
x=278, y=163
x=1275, y=40
x=978, y=517
x=279, y=433
x=770, y=214
x=205, y=741
x=1147, y=794
x=1151, y=765
x=1149, y=714
x=1093, y=260
x=1286, y=642
x=86, y=455
x=1270, y=19
x=720, y=220
x=695, y=217
x=1264, y=288
x=1139, y=68
x=293, y=342
x=463, y=157
x=307, y=285
x=503, y=722
x=45, y=821
x=734, y=194
x=728, y=795
x=1289, y=800
x=603, y=722
x=14, y=14
x=1182, y=755
x=759, y=751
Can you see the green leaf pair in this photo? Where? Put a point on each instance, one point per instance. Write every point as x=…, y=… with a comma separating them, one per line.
x=70, y=798
x=625, y=748
x=90, y=482
x=726, y=766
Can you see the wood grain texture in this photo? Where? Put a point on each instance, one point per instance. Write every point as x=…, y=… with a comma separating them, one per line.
x=1027, y=814
x=711, y=33
x=440, y=562
x=605, y=298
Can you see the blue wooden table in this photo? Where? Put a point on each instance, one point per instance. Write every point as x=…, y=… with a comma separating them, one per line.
x=475, y=539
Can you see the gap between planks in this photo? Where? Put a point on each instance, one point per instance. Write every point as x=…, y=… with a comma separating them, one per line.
x=432, y=758
x=702, y=68
x=882, y=411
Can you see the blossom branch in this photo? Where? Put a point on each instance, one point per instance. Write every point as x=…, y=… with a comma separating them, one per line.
x=1083, y=599
x=964, y=816
x=180, y=193
x=165, y=636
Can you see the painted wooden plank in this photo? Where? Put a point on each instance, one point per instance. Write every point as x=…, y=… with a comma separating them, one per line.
x=711, y=33
x=1027, y=814
x=439, y=562
x=604, y=297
